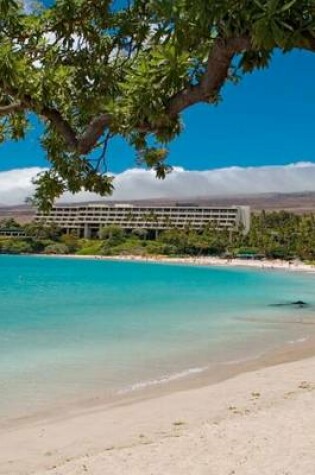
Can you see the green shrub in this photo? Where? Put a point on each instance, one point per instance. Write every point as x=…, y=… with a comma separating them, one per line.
x=130, y=246
x=56, y=248
x=155, y=247
x=15, y=246
x=89, y=248
x=71, y=241
x=114, y=234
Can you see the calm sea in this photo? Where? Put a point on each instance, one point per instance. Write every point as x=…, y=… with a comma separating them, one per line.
x=73, y=329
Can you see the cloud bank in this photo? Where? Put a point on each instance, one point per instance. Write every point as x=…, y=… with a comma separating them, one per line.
x=16, y=185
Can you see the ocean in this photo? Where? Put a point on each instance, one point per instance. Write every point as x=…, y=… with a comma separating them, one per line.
x=77, y=330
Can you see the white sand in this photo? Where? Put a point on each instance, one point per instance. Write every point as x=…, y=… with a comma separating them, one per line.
x=257, y=423
x=267, y=264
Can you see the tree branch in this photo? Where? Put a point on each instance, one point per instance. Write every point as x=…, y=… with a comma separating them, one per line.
x=13, y=107
x=94, y=131
x=217, y=71
x=218, y=65
x=82, y=144
x=26, y=102
x=219, y=62
x=85, y=142
x=62, y=125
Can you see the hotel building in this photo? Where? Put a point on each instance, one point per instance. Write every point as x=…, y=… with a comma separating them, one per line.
x=86, y=220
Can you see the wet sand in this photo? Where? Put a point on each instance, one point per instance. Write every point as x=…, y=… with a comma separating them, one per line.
x=228, y=427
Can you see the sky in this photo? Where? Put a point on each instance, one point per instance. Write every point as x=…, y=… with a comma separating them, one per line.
x=263, y=125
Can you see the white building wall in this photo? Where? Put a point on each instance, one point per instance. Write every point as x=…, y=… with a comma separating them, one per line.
x=90, y=218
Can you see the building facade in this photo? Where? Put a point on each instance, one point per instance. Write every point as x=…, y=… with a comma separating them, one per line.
x=12, y=233
x=86, y=220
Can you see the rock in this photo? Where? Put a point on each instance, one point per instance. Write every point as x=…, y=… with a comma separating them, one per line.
x=297, y=303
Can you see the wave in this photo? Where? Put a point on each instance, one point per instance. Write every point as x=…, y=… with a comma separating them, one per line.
x=298, y=340
x=163, y=380
x=246, y=359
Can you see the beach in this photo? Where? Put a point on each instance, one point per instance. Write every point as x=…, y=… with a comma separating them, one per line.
x=263, y=264
x=257, y=423
x=250, y=415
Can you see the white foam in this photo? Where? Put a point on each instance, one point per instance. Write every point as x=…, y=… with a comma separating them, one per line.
x=246, y=359
x=298, y=340
x=163, y=380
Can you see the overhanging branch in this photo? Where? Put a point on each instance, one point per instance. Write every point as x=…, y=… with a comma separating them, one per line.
x=217, y=71
x=218, y=65
x=62, y=125
x=26, y=102
x=93, y=133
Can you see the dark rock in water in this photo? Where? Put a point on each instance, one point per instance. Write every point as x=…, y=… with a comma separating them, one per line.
x=297, y=303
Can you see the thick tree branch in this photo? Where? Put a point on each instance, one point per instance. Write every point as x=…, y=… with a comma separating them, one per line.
x=217, y=71
x=62, y=125
x=94, y=131
x=218, y=65
x=49, y=113
x=219, y=62
x=82, y=144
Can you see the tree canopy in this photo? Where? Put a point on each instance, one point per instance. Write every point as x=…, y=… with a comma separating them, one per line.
x=92, y=70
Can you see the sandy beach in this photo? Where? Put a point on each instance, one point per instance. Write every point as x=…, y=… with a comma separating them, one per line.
x=257, y=423
x=265, y=264
x=258, y=418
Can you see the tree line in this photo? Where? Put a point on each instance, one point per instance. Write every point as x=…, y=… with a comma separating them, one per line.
x=273, y=235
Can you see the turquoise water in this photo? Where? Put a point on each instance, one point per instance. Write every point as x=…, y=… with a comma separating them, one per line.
x=72, y=329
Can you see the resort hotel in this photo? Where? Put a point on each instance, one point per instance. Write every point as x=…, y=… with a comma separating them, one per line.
x=86, y=220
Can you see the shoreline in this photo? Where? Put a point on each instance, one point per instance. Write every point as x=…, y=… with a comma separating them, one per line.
x=266, y=264
x=184, y=380
x=34, y=445
x=95, y=438
x=151, y=430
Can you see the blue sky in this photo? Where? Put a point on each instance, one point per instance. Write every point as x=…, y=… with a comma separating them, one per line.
x=268, y=119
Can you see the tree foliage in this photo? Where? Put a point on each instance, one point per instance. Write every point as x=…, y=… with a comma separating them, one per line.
x=92, y=71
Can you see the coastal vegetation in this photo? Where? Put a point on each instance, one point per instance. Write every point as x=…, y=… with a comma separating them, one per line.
x=273, y=235
x=94, y=71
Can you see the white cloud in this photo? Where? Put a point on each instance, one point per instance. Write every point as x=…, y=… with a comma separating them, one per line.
x=15, y=185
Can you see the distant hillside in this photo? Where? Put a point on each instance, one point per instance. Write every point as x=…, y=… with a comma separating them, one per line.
x=294, y=202
x=23, y=213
